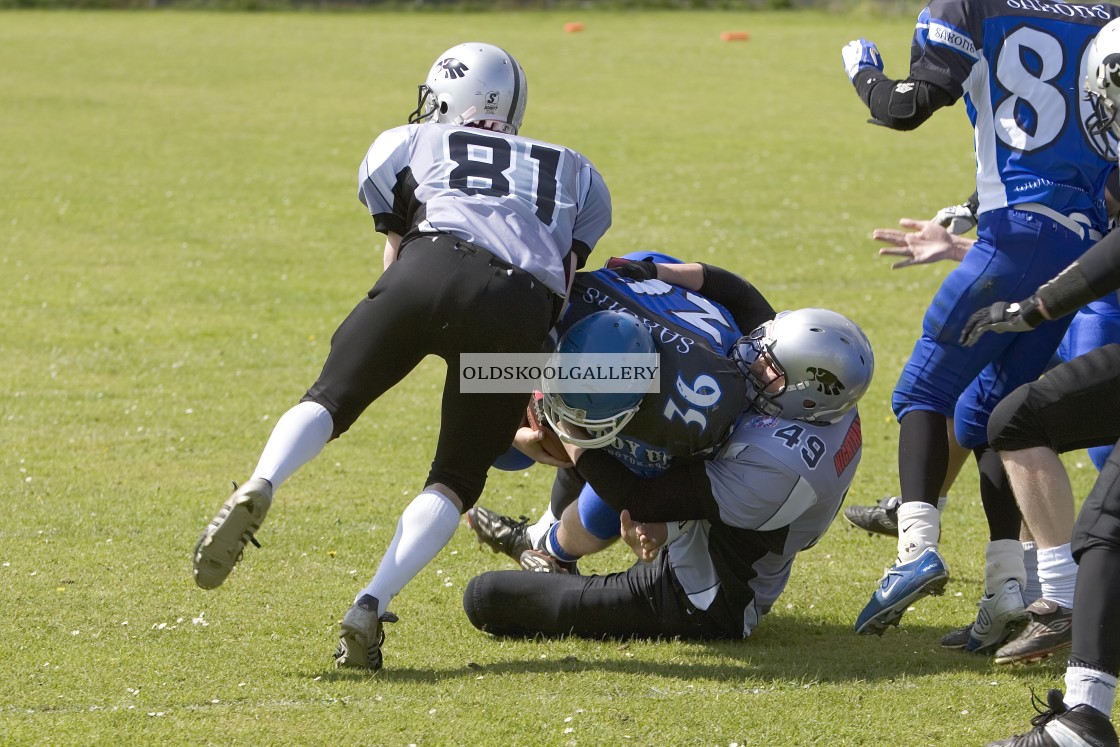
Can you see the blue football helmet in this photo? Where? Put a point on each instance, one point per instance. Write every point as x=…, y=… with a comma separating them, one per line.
x=825, y=358
x=593, y=419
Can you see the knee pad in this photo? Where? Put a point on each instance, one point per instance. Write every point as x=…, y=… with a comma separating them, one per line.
x=597, y=517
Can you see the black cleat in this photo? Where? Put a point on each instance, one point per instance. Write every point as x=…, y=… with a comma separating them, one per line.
x=882, y=518
x=502, y=534
x=1060, y=726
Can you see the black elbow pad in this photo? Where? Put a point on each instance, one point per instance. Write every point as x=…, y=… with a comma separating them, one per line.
x=905, y=104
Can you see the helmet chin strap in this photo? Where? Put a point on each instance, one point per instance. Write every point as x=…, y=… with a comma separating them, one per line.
x=462, y=118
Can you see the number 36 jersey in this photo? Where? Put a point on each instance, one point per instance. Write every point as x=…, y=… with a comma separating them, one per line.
x=528, y=202
x=1020, y=64
x=702, y=393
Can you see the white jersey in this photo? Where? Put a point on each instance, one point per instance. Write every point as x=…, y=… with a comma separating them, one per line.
x=527, y=202
x=778, y=485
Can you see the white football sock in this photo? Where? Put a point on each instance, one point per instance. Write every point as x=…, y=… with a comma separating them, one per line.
x=298, y=437
x=919, y=527
x=1033, y=588
x=1090, y=687
x=536, y=532
x=425, y=528
x=1057, y=574
x=1004, y=562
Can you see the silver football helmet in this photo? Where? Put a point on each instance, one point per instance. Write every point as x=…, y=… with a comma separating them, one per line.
x=825, y=358
x=474, y=83
x=1102, y=79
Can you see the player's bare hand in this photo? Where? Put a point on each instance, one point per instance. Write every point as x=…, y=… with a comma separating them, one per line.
x=644, y=539
x=927, y=242
x=539, y=445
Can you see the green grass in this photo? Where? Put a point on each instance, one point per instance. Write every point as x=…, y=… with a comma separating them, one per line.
x=179, y=236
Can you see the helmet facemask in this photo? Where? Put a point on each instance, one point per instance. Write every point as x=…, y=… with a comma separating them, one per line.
x=1102, y=81
x=754, y=356
x=573, y=425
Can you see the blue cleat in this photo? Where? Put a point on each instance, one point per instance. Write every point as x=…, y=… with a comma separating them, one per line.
x=902, y=586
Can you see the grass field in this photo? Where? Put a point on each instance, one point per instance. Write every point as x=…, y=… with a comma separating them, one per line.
x=179, y=236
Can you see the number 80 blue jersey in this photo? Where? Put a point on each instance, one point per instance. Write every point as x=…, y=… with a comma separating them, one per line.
x=1020, y=65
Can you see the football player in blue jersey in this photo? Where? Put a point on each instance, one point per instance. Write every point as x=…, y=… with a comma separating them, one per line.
x=731, y=525
x=1041, y=171
x=693, y=313
x=1050, y=568
x=484, y=230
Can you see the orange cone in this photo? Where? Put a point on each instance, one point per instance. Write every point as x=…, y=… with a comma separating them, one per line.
x=729, y=36
x=573, y=27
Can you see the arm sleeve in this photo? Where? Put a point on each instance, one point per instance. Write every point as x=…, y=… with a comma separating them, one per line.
x=748, y=307
x=899, y=105
x=1095, y=274
x=678, y=494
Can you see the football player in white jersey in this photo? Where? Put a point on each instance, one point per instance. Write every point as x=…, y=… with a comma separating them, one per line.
x=485, y=229
x=730, y=525
x=1041, y=172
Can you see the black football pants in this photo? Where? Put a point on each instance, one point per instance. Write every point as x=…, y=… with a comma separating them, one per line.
x=443, y=297
x=644, y=601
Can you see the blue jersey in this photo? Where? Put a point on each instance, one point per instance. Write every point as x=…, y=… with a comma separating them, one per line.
x=1020, y=66
x=702, y=392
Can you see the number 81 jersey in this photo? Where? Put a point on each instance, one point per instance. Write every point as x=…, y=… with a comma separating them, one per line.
x=1021, y=66
x=702, y=393
x=527, y=202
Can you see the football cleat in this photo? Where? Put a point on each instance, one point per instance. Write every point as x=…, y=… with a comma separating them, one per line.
x=538, y=561
x=957, y=638
x=1001, y=616
x=1049, y=630
x=223, y=541
x=902, y=585
x=1061, y=726
x=502, y=534
x=882, y=518
x=361, y=635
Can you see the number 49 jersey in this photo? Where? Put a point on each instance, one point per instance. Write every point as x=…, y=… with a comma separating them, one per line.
x=527, y=202
x=702, y=393
x=1020, y=65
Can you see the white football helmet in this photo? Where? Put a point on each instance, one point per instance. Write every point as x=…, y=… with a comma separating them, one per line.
x=474, y=83
x=1102, y=79
x=826, y=360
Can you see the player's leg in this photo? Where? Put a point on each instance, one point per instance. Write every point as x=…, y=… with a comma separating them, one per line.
x=1073, y=407
x=937, y=374
x=481, y=308
x=513, y=536
x=1083, y=714
x=641, y=602
x=368, y=355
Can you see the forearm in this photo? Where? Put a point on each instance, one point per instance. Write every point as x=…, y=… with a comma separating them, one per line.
x=680, y=494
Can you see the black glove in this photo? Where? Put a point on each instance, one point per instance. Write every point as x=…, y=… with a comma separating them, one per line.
x=631, y=270
x=1003, y=317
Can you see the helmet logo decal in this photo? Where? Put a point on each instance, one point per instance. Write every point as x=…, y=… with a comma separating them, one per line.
x=493, y=100
x=452, y=68
x=827, y=381
x=1109, y=73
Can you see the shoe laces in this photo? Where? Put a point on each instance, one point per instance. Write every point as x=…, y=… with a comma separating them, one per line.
x=1054, y=707
x=250, y=535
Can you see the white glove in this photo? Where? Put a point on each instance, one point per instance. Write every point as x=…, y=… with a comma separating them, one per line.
x=957, y=219
x=859, y=54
